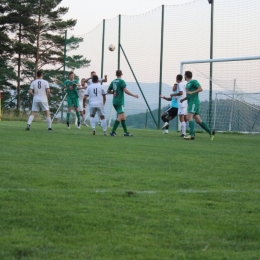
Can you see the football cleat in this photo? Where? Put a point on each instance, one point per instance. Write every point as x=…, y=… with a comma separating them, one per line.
x=50, y=130
x=165, y=125
x=127, y=134
x=68, y=125
x=112, y=133
x=182, y=135
x=27, y=127
x=212, y=136
x=189, y=137
x=166, y=132
x=93, y=131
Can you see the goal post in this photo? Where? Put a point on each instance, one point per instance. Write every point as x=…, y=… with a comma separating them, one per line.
x=238, y=81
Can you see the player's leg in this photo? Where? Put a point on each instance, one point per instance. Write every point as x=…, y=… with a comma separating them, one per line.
x=117, y=122
x=101, y=113
x=92, y=111
x=205, y=126
x=165, y=119
x=81, y=109
x=182, y=113
x=35, y=110
x=76, y=105
x=69, y=101
x=48, y=120
x=45, y=107
x=192, y=110
x=189, y=118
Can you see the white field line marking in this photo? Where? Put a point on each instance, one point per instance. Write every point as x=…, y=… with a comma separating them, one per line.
x=218, y=191
x=123, y=191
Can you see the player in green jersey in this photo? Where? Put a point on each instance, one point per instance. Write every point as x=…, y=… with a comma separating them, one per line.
x=192, y=90
x=71, y=86
x=118, y=88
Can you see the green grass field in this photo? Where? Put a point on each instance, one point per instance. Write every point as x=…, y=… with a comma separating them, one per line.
x=71, y=195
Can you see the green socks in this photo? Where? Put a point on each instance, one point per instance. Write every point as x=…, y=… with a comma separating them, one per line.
x=68, y=117
x=116, y=124
x=124, y=126
x=192, y=127
x=78, y=116
x=205, y=127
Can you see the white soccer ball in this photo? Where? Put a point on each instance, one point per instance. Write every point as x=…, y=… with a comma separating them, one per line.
x=111, y=47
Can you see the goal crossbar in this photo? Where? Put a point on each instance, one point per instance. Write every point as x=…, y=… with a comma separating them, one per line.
x=217, y=60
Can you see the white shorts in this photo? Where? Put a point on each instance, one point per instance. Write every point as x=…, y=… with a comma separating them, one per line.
x=182, y=111
x=99, y=110
x=80, y=107
x=36, y=106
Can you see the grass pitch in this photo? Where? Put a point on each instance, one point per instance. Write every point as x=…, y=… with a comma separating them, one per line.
x=71, y=195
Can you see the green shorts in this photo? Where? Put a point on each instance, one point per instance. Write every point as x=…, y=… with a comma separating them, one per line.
x=119, y=109
x=73, y=102
x=193, y=108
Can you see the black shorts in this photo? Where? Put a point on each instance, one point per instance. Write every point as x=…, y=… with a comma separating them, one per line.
x=171, y=111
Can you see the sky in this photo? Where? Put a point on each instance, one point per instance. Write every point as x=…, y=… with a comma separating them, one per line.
x=89, y=14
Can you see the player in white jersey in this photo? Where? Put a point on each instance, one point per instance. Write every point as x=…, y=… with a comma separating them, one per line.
x=97, y=100
x=100, y=80
x=81, y=94
x=182, y=106
x=40, y=91
x=93, y=73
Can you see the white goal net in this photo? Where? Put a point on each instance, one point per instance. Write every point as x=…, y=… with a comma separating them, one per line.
x=234, y=104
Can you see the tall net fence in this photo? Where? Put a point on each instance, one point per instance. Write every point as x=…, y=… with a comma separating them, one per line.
x=236, y=94
x=156, y=42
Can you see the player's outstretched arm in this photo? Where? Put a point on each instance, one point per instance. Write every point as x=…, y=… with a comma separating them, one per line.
x=104, y=79
x=166, y=98
x=129, y=93
x=183, y=99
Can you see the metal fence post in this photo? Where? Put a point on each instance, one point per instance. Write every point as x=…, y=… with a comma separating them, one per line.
x=119, y=41
x=64, y=69
x=211, y=65
x=103, y=45
x=161, y=65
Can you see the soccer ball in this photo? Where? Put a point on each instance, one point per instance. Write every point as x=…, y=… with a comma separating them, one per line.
x=111, y=47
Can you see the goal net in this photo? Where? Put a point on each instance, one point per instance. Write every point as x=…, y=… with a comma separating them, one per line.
x=230, y=100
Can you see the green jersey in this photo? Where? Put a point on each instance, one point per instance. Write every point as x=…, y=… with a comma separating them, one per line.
x=191, y=86
x=118, y=86
x=71, y=88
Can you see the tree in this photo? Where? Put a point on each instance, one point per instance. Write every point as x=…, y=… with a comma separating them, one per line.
x=36, y=32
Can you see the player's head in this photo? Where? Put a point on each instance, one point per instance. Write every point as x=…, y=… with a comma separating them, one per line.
x=174, y=88
x=83, y=82
x=179, y=78
x=95, y=79
x=93, y=73
x=39, y=74
x=119, y=73
x=188, y=75
x=71, y=75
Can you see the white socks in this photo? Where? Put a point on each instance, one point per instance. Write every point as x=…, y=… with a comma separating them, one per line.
x=30, y=120
x=92, y=122
x=48, y=120
x=104, y=124
x=183, y=128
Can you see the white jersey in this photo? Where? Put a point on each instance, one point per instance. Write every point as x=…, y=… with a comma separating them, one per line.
x=81, y=93
x=90, y=81
x=40, y=87
x=181, y=87
x=95, y=92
